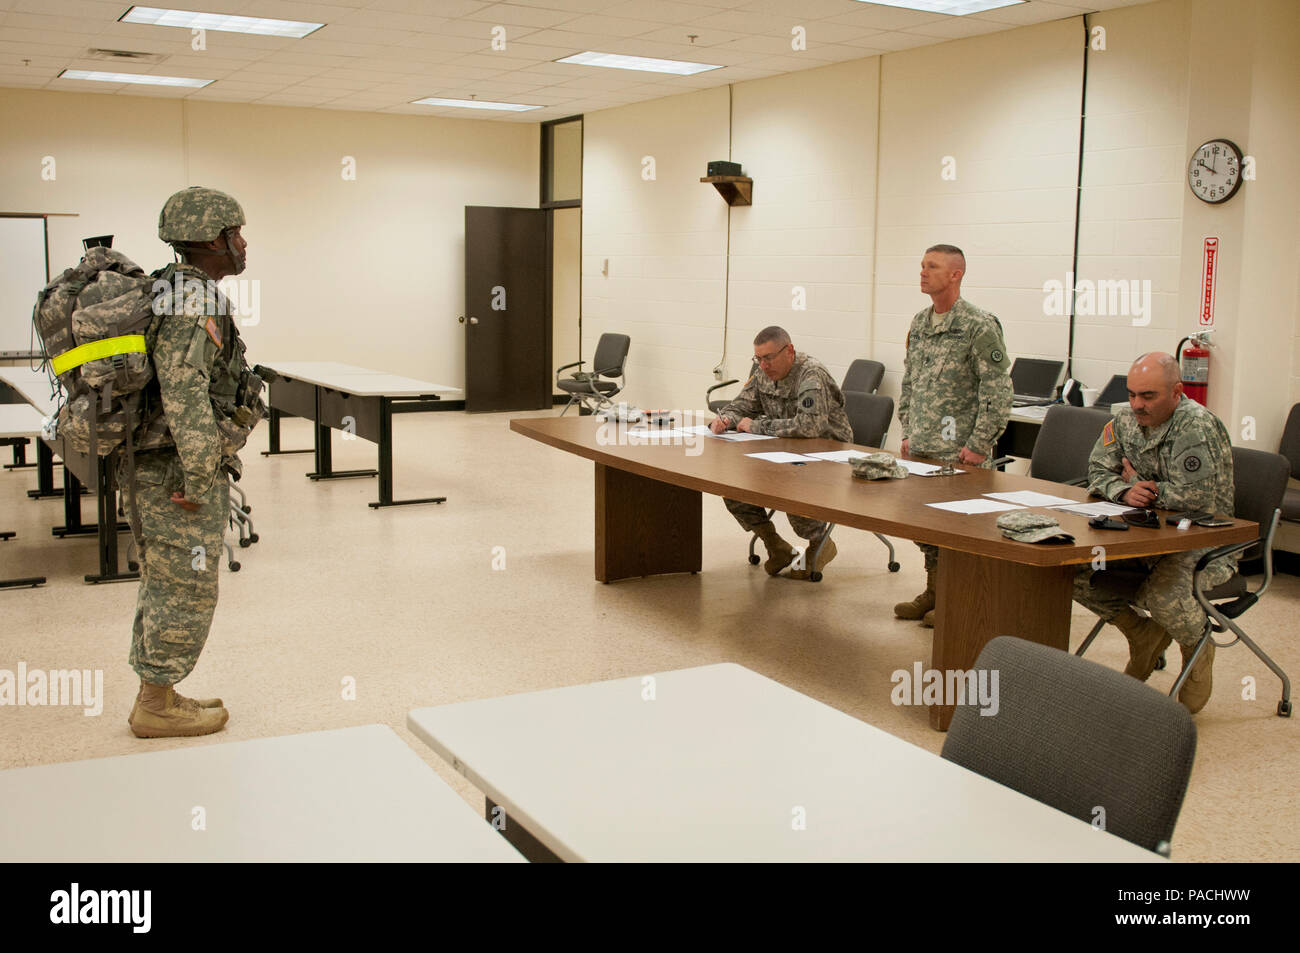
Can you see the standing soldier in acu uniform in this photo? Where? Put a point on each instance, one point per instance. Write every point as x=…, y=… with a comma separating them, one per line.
x=196, y=416
x=1163, y=450
x=793, y=395
x=956, y=390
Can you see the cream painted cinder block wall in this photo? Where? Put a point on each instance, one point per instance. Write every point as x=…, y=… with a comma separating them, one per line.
x=1001, y=112
x=654, y=242
x=1134, y=185
x=801, y=254
x=367, y=271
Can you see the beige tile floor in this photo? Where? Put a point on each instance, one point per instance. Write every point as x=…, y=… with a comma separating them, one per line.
x=406, y=601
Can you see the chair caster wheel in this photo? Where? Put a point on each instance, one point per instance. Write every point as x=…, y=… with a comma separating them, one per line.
x=252, y=538
x=754, y=560
x=133, y=566
x=815, y=576
x=1284, y=709
x=234, y=567
x=245, y=542
x=1161, y=662
x=894, y=567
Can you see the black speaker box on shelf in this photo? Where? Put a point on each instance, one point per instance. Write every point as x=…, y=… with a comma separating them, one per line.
x=722, y=167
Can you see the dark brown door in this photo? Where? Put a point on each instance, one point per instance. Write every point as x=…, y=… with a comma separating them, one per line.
x=507, y=309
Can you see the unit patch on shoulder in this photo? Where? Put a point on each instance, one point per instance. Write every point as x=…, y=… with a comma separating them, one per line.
x=1108, y=434
x=995, y=356
x=1191, y=463
x=808, y=403
x=213, y=331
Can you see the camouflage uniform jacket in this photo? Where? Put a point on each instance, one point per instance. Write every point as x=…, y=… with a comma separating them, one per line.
x=199, y=364
x=958, y=370
x=1189, y=457
x=805, y=403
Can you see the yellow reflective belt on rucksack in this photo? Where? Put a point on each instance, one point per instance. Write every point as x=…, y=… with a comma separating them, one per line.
x=97, y=350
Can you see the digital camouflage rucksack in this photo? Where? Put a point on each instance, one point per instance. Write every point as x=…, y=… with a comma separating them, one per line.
x=96, y=322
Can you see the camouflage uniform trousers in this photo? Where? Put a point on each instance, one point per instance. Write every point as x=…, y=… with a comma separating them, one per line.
x=931, y=553
x=750, y=515
x=1166, y=594
x=178, y=581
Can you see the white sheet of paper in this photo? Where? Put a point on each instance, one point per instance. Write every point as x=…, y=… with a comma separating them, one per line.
x=781, y=456
x=1030, y=498
x=702, y=428
x=1099, y=508
x=922, y=469
x=736, y=435
x=980, y=505
x=837, y=456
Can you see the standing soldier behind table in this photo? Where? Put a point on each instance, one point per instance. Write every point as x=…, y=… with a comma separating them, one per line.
x=792, y=395
x=956, y=390
x=1163, y=450
x=196, y=417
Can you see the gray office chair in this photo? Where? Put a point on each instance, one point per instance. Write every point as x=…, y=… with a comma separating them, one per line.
x=1064, y=443
x=1260, y=482
x=870, y=416
x=863, y=376
x=1078, y=736
x=1290, y=448
x=593, y=390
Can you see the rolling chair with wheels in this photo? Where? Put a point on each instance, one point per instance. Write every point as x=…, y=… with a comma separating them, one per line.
x=593, y=390
x=1260, y=482
x=1289, y=447
x=1075, y=735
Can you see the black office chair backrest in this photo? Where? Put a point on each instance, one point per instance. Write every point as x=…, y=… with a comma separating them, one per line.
x=1065, y=441
x=864, y=376
x=1290, y=445
x=1260, y=480
x=869, y=416
x=611, y=352
x=1079, y=737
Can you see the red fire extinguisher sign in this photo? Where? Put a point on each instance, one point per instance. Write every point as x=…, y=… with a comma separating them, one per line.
x=1209, y=273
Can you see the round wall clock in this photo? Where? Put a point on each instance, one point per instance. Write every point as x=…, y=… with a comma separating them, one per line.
x=1214, y=172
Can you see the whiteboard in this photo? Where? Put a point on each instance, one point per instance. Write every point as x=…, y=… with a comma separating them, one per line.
x=22, y=276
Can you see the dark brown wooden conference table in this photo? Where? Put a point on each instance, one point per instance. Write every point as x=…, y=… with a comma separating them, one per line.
x=649, y=501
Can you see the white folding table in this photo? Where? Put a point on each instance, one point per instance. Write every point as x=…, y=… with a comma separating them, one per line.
x=352, y=794
x=719, y=763
x=356, y=400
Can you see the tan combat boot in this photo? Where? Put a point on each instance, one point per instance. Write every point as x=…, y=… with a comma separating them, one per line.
x=187, y=703
x=1196, y=690
x=1147, y=641
x=825, y=556
x=927, y=620
x=779, y=553
x=158, y=714
x=921, y=605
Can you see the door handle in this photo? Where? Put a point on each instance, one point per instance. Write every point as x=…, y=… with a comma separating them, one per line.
x=461, y=319
x=473, y=320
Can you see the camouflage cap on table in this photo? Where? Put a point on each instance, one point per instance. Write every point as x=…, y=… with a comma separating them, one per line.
x=1025, y=526
x=878, y=466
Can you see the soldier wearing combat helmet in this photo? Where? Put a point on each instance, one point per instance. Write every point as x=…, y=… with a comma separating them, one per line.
x=196, y=415
x=956, y=394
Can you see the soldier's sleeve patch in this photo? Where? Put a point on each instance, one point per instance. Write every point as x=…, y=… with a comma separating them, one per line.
x=1108, y=433
x=214, y=332
x=1191, y=463
x=808, y=403
x=995, y=356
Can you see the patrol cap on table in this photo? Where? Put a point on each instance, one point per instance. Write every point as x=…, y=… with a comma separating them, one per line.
x=1025, y=526
x=878, y=466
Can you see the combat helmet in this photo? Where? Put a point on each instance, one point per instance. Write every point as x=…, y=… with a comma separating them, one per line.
x=198, y=214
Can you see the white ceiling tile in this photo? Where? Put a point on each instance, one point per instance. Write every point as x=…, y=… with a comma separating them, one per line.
x=512, y=14
x=883, y=18
x=704, y=36
x=442, y=8
x=891, y=42
x=578, y=6
x=1039, y=11
x=955, y=27
x=612, y=26
x=661, y=11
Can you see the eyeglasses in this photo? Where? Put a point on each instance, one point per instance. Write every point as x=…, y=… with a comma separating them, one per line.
x=769, y=358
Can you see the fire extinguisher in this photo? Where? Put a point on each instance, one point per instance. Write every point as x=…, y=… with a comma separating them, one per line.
x=1195, y=367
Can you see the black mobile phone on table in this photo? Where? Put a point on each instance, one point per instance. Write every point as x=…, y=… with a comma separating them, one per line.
x=1213, y=522
x=1192, y=516
x=1142, y=517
